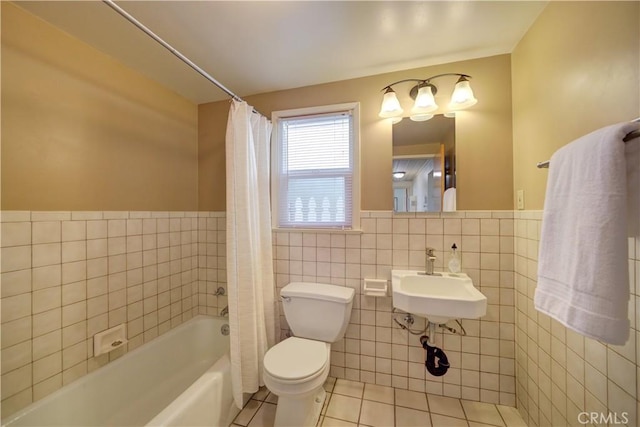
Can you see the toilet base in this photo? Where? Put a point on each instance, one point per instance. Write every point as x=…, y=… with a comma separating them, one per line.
x=300, y=412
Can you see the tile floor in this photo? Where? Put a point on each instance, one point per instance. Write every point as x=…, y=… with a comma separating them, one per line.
x=351, y=403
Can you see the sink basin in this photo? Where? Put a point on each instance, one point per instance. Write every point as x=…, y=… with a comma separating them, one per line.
x=439, y=298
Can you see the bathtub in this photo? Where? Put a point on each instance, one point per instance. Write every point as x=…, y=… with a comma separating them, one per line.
x=181, y=378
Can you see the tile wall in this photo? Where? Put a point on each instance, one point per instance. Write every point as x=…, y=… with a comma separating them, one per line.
x=212, y=262
x=68, y=275
x=375, y=350
x=560, y=373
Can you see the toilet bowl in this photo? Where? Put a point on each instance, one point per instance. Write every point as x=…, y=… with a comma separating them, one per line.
x=295, y=369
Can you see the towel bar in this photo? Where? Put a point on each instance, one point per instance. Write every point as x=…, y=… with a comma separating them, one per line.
x=631, y=135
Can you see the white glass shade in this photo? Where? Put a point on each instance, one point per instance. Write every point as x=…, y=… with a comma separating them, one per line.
x=390, y=105
x=421, y=117
x=462, y=96
x=425, y=102
x=398, y=175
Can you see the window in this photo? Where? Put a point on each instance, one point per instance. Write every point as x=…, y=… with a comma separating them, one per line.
x=315, y=181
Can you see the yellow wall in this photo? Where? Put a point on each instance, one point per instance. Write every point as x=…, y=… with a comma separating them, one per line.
x=576, y=70
x=430, y=149
x=212, y=127
x=81, y=131
x=483, y=133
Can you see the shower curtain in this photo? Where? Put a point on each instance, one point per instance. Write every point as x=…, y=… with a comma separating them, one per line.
x=250, y=281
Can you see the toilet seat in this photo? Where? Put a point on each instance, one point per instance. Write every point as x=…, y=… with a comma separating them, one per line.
x=296, y=360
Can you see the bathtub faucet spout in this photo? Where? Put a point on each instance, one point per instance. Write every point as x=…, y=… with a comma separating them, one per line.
x=225, y=311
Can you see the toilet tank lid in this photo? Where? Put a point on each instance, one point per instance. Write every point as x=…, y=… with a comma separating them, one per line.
x=318, y=291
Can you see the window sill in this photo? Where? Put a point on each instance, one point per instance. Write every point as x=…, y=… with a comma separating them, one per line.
x=316, y=230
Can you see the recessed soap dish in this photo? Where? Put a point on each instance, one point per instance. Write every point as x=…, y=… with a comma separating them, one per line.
x=375, y=287
x=109, y=340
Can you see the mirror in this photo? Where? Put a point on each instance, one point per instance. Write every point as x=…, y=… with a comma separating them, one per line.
x=424, y=172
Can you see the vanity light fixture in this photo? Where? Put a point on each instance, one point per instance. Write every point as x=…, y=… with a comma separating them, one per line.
x=425, y=103
x=398, y=175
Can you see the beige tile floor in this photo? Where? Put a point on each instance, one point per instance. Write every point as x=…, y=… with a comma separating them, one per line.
x=351, y=404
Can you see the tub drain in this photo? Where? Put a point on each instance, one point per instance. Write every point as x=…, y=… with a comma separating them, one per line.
x=225, y=329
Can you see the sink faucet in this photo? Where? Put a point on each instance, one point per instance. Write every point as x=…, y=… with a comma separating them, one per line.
x=430, y=259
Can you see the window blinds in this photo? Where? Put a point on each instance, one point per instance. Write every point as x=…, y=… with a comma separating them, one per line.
x=316, y=167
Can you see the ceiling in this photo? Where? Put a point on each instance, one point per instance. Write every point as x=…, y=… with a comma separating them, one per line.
x=255, y=47
x=412, y=167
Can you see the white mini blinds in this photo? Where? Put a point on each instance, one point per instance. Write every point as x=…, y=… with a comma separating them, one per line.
x=314, y=169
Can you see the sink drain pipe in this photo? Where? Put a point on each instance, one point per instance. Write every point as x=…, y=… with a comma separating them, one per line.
x=436, y=363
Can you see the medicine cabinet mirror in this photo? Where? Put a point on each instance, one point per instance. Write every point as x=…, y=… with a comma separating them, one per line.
x=424, y=171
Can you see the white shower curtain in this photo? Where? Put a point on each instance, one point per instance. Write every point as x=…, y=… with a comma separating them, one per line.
x=250, y=281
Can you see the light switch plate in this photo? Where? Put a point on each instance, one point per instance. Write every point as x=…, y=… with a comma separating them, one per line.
x=520, y=199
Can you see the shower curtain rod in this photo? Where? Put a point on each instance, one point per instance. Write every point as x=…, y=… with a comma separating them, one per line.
x=126, y=15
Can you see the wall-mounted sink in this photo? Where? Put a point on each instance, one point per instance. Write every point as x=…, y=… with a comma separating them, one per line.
x=439, y=298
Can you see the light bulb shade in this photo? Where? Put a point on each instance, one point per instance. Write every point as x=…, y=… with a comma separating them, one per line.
x=390, y=105
x=462, y=96
x=425, y=102
x=421, y=117
x=398, y=175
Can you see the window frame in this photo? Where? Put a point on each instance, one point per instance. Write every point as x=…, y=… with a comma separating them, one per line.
x=276, y=117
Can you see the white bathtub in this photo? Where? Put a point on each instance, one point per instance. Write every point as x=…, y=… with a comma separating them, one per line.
x=181, y=378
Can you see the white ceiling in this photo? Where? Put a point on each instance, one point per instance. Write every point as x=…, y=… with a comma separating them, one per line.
x=255, y=47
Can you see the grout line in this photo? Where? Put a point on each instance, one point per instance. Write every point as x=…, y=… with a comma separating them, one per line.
x=464, y=412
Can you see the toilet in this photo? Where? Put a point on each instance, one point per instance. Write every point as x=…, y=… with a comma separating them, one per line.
x=295, y=369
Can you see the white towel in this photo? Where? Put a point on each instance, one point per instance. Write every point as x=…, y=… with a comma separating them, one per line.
x=583, y=277
x=632, y=152
x=449, y=200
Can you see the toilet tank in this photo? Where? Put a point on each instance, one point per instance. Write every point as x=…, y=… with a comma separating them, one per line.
x=317, y=311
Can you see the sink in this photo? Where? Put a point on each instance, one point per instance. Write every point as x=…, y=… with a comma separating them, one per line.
x=439, y=298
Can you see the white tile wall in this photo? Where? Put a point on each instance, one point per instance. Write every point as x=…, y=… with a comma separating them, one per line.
x=68, y=275
x=561, y=373
x=375, y=350
x=212, y=262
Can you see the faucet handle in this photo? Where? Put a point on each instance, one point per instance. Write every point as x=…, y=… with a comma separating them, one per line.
x=430, y=251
